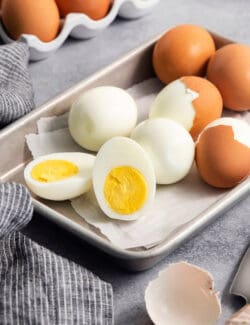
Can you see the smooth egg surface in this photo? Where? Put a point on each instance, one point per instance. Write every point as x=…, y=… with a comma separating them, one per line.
x=191, y=101
x=182, y=51
x=170, y=147
x=229, y=70
x=95, y=9
x=123, y=179
x=100, y=114
x=223, y=152
x=60, y=176
x=40, y=18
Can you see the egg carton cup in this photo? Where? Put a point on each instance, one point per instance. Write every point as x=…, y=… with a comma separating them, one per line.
x=80, y=26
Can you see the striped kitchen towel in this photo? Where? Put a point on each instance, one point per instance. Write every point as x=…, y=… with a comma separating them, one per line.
x=16, y=92
x=38, y=286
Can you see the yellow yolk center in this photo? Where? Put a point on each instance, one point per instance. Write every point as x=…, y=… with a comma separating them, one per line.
x=53, y=170
x=125, y=190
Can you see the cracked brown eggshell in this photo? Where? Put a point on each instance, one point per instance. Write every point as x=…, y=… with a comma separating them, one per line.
x=182, y=294
x=223, y=152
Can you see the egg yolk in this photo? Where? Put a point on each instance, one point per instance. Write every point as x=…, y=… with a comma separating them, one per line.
x=125, y=189
x=53, y=170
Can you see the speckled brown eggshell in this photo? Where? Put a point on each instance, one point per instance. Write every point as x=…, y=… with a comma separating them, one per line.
x=229, y=71
x=221, y=160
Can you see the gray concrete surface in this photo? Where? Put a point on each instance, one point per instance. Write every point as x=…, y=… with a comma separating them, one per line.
x=220, y=246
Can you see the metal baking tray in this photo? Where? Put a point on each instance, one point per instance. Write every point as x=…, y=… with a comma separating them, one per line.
x=131, y=69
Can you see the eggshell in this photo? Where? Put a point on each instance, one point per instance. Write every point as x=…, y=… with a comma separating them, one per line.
x=40, y=18
x=223, y=152
x=182, y=51
x=229, y=70
x=122, y=151
x=95, y=9
x=169, y=146
x=182, y=295
x=192, y=101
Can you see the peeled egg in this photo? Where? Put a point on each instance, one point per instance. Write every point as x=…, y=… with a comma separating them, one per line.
x=100, y=114
x=40, y=18
x=169, y=146
x=223, y=152
x=95, y=9
x=182, y=51
x=60, y=176
x=123, y=179
x=192, y=101
x=229, y=70
x=182, y=295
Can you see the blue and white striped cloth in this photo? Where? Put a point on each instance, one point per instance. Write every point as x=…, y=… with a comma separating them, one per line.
x=36, y=285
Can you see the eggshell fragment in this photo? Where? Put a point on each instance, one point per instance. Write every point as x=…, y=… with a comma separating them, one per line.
x=192, y=101
x=182, y=51
x=229, y=70
x=223, y=152
x=182, y=294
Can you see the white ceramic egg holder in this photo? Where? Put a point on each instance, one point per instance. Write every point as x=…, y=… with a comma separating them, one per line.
x=81, y=26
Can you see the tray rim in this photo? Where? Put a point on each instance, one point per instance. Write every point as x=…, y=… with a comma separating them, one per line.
x=173, y=240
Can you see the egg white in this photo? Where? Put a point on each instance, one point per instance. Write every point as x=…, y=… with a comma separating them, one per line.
x=100, y=114
x=170, y=147
x=122, y=151
x=67, y=188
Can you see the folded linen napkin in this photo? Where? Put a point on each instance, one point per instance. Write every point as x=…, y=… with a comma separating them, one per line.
x=38, y=286
x=16, y=92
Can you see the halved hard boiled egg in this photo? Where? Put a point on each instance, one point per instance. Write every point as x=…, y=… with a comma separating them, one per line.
x=60, y=176
x=191, y=101
x=123, y=179
x=170, y=147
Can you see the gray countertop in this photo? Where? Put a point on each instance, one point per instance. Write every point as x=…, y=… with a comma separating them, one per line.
x=220, y=246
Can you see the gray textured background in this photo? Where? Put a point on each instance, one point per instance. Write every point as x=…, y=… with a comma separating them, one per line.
x=219, y=247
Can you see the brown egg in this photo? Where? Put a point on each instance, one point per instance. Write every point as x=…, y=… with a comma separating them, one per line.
x=40, y=18
x=229, y=70
x=95, y=9
x=223, y=152
x=182, y=51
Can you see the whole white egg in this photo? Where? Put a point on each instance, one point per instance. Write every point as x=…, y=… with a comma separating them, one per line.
x=170, y=147
x=123, y=179
x=100, y=114
x=60, y=176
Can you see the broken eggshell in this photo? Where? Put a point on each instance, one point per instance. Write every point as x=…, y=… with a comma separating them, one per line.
x=182, y=294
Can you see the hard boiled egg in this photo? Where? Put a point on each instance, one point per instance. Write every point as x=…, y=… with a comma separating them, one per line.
x=170, y=147
x=100, y=114
x=95, y=9
x=229, y=70
x=123, y=179
x=60, y=176
x=223, y=152
x=182, y=51
x=192, y=101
